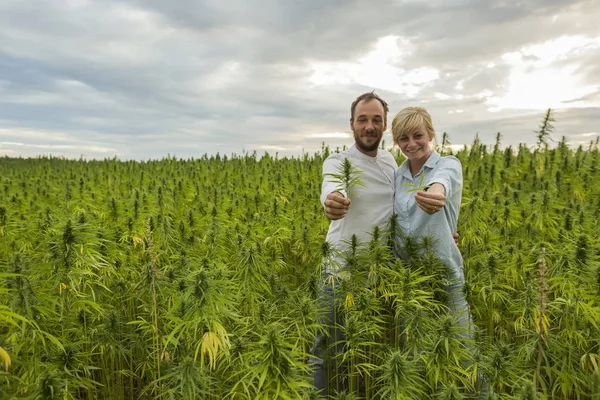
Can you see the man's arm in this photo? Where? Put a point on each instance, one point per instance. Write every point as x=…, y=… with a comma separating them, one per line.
x=335, y=203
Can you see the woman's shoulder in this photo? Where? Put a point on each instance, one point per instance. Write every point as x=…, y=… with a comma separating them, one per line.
x=449, y=162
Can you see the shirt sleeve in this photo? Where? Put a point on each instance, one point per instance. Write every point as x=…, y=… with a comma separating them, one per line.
x=330, y=166
x=448, y=173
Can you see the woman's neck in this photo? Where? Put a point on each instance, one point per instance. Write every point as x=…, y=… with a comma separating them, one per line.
x=416, y=165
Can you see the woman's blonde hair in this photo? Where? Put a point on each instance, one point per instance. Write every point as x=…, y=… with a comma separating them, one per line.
x=411, y=119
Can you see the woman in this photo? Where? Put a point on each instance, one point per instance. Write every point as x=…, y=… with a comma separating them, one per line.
x=432, y=210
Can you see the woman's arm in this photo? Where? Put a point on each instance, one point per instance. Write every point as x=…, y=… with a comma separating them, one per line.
x=433, y=199
x=444, y=182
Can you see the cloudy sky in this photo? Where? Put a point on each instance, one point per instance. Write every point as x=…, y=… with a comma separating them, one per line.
x=142, y=79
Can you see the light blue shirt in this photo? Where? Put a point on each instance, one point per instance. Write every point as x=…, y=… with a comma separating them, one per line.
x=414, y=222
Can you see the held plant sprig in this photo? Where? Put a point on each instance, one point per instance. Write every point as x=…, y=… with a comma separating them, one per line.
x=346, y=176
x=419, y=187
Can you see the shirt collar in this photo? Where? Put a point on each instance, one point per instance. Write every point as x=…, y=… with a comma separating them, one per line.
x=430, y=164
x=432, y=160
x=357, y=153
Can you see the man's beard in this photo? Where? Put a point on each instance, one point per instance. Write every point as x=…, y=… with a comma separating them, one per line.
x=364, y=147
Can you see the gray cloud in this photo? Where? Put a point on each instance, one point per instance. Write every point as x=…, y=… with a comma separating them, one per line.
x=147, y=78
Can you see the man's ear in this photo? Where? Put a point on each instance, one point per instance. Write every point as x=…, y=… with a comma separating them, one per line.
x=351, y=126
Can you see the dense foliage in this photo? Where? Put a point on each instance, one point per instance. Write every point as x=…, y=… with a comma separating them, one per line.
x=198, y=279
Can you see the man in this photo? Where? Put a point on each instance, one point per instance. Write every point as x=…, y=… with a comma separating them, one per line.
x=369, y=205
x=356, y=213
x=359, y=212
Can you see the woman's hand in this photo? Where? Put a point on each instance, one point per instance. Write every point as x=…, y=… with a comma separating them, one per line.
x=433, y=199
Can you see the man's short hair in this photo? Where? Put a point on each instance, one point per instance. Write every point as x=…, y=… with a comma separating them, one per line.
x=367, y=97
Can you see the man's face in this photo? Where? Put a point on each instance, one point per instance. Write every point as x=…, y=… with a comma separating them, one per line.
x=368, y=126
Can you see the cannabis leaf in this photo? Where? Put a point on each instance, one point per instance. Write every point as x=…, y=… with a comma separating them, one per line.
x=416, y=188
x=346, y=176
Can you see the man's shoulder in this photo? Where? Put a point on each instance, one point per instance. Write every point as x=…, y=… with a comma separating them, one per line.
x=338, y=157
x=387, y=157
x=385, y=154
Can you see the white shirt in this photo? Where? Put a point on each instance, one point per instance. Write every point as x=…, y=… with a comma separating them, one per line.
x=371, y=205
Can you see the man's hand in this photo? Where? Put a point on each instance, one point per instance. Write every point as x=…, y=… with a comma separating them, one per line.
x=336, y=206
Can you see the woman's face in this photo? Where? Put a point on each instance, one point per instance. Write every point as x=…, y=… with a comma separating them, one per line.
x=415, y=145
